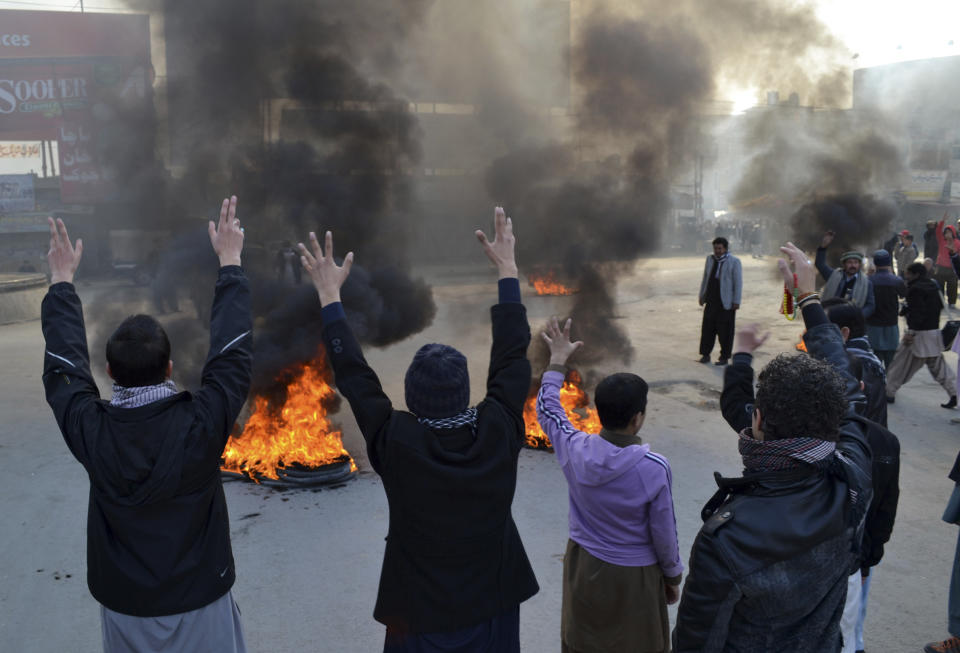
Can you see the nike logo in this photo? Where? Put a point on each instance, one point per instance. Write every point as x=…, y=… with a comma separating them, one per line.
x=224, y=572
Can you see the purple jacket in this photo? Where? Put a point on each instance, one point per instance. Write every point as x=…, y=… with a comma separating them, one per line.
x=621, y=504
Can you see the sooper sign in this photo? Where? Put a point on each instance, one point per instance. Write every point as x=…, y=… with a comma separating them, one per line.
x=70, y=77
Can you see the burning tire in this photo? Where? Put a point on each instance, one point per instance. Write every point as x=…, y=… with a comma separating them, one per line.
x=297, y=476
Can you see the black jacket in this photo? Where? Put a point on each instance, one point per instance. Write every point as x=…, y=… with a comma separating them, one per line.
x=768, y=570
x=930, y=245
x=453, y=556
x=888, y=288
x=874, y=380
x=885, y=474
x=158, y=535
x=923, y=305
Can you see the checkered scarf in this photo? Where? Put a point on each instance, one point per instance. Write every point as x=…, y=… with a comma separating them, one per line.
x=788, y=453
x=141, y=395
x=463, y=418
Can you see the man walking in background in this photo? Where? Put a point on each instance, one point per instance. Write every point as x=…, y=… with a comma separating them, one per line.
x=720, y=292
x=906, y=252
x=922, y=344
x=883, y=330
x=622, y=565
x=159, y=559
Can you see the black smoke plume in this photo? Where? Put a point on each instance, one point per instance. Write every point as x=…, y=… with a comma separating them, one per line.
x=588, y=215
x=283, y=104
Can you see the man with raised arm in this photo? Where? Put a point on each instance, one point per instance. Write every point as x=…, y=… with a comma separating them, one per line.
x=768, y=570
x=848, y=281
x=454, y=569
x=622, y=565
x=159, y=559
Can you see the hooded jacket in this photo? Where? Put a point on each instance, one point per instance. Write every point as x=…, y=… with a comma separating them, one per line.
x=924, y=304
x=453, y=555
x=943, y=254
x=885, y=478
x=768, y=570
x=158, y=535
x=621, y=502
x=874, y=380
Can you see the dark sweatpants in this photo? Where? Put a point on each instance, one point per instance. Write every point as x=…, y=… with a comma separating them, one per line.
x=717, y=323
x=500, y=634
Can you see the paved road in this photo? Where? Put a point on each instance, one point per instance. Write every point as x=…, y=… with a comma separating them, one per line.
x=308, y=562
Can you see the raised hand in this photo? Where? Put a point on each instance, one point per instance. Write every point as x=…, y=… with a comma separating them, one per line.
x=62, y=257
x=806, y=273
x=827, y=239
x=326, y=275
x=561, y=348
x=501, y=250
x=749, y=338
x=227, y=235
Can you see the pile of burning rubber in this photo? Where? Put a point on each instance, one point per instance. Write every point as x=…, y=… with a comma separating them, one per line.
x=294, y=444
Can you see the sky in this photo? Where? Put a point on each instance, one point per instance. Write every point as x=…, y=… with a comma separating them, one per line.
x=875, y=32
x=879, y=31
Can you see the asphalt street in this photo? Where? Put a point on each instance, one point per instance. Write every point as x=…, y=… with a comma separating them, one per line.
x=308, y=561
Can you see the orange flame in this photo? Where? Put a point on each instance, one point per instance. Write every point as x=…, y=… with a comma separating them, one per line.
x=298, y=433
x=575, y=402
x=548, y=284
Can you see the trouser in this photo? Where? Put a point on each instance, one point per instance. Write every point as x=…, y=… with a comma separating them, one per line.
x=953, y=604
x=885, y=356
x=864, y=593
x=499, y=634
x=948, y=280
x=851, y=612
x=214, y=628
x=905, y=365
x=718, y=323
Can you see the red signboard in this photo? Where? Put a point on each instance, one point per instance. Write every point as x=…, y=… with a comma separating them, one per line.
x=45, y=34
x=65, y=77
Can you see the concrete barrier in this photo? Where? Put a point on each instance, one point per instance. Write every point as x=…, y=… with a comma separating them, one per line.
x=20, y=296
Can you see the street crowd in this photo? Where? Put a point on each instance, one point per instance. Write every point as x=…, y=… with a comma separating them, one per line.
x=783, y=560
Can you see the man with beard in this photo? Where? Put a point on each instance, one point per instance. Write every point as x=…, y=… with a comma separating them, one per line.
x=720, y=291
x=922, y=344
x=454, y=568
x=769, y=568
x=847, y=281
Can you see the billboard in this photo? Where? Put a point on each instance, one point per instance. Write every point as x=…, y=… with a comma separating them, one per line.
x=16, y=193
x=924, y=184
x=71, y=77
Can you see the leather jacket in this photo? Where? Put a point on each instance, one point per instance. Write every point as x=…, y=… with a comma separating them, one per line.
x=768, y=570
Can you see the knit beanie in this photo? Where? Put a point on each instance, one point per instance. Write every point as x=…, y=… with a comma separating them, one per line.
x=437, y=383
x=848, y=255
x=881, y=258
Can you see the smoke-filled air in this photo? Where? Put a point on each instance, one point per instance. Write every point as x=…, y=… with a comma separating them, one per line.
x=586, y=122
